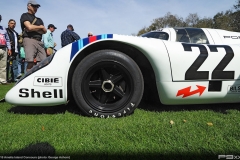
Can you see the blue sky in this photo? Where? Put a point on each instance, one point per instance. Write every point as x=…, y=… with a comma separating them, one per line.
x=108, y=16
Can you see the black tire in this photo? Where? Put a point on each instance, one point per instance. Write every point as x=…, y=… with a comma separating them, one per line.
x=107, y=83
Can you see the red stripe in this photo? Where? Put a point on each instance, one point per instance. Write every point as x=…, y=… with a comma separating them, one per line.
x=92, y=39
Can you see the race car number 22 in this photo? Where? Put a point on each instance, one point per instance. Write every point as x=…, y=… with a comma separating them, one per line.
x=192, y=73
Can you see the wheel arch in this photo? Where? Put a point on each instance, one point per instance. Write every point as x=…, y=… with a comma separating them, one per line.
x=141, y=60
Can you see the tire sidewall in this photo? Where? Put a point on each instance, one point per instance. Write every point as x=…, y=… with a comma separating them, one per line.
x=109, y=56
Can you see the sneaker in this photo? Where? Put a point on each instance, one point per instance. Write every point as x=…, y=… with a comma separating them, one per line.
x=19, y=76
x=4, y=83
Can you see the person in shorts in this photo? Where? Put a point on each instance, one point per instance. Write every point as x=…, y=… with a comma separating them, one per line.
x=33, y=46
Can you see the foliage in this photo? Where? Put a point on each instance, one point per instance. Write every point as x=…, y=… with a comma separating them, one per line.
x=227, y=20
x=205, y=23
x=235, y=17
x=223, y=20
x=192, y=20
x=169, y=20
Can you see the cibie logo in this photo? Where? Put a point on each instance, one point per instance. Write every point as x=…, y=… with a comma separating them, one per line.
x=48, y=81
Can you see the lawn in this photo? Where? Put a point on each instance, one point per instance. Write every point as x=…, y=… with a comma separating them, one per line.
x=152, y=132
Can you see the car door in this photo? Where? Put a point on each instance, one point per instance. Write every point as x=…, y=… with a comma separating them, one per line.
x=196, y=62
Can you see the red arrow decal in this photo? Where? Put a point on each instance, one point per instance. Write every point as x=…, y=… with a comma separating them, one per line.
x=186, y=91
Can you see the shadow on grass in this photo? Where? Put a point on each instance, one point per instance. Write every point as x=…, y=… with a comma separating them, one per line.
x=148, y=106
x=38, y=149
x=60, y=109
x=158, y=107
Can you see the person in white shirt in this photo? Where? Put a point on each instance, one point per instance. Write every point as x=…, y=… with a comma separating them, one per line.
x=5, y=49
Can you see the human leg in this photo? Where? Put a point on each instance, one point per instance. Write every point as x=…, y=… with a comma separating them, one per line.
x=41, y=55
x=19, y=66
x=8, y=69
x=3, y=64
x=25, y=67
x=15, y=68
x=31, y=51
x=29, y=66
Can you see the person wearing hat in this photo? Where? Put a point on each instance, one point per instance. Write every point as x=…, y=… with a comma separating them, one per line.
x=5, y=49
x=33, y=29
x=48, y=39
x=68, y=36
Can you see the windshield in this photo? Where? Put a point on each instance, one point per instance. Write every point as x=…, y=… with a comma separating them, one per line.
x=158, y=35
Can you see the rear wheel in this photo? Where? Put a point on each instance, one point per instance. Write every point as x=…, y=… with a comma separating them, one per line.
x=107, y=83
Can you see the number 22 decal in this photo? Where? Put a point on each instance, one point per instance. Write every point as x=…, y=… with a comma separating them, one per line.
x=192, y=73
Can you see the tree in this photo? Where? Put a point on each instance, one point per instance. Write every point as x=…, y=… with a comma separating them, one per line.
x=173, y=20
x=223, y=20
x=169, y=20
x=235, y=17
x=228, y=20
x=142, y=31
x=192, y=19
x=205, y=23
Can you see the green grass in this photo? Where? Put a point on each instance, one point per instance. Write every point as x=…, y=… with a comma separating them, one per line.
x=146, y=134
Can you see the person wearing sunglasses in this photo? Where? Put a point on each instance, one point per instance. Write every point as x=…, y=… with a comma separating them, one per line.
x=90, y=34
x=32, y=29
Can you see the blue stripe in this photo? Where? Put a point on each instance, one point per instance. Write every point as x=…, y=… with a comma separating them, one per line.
x=85, y=41
x=80, y=44
x=99, y=37
x=76, y=46
x=110, y=36
x=75, y=49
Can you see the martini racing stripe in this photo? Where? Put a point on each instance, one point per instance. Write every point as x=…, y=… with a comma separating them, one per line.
x=76, y=46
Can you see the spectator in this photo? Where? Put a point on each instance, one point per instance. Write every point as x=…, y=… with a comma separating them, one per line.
x=90, y=34
x=5, y=49
x=48, y=40
x=33, y=46
x=14, y=58
x=68, y=36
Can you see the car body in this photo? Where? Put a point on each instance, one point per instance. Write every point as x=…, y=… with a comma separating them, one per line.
x=108, y=75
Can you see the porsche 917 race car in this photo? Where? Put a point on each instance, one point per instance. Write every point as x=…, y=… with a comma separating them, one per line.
x=108, y=75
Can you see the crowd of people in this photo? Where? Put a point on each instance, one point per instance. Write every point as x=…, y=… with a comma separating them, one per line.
x=20, y=52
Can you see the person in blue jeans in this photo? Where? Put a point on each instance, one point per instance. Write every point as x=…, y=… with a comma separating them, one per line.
x=12, y=65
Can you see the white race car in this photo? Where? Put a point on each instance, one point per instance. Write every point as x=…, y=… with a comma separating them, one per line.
x=108, y=75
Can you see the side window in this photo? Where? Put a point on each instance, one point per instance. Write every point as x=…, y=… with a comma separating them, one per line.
x=163, y=35
x=182, y=36
x=158, y=35
x=197, y=36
